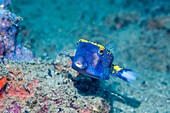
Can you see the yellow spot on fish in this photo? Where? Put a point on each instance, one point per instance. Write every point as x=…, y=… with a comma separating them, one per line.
x=117, y=68
x=101, y=47
x=82, y=40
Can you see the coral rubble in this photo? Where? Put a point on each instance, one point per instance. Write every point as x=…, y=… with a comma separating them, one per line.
x=31, y=89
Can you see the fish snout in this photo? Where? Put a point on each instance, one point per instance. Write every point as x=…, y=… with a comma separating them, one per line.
x=80, y=62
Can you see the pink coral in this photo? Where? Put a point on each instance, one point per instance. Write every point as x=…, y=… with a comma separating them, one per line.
x=20, y=91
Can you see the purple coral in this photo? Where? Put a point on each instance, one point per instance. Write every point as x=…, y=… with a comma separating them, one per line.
x=9, y=24
x=9, y=109
x=15, y=109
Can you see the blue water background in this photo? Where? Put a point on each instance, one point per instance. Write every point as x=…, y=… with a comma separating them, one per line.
x=136, y=31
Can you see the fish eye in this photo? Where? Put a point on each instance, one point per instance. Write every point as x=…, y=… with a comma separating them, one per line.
x=100, y=52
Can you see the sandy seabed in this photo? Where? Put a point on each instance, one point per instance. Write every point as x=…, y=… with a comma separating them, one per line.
x=137, y=33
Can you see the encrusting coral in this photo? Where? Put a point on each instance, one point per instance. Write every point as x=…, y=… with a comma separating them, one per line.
x=31, y=88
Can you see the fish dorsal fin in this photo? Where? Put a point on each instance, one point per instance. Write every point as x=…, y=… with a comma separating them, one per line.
x=101, y=47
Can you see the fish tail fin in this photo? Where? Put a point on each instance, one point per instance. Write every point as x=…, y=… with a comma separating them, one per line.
x=125, y=74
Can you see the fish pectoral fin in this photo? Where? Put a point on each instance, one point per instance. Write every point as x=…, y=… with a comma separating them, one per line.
x=105, y=73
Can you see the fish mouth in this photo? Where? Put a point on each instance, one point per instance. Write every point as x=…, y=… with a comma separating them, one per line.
x=80, y=62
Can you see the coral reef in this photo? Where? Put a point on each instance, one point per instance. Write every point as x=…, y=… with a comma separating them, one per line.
x=9, y=29
x=50, y=89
